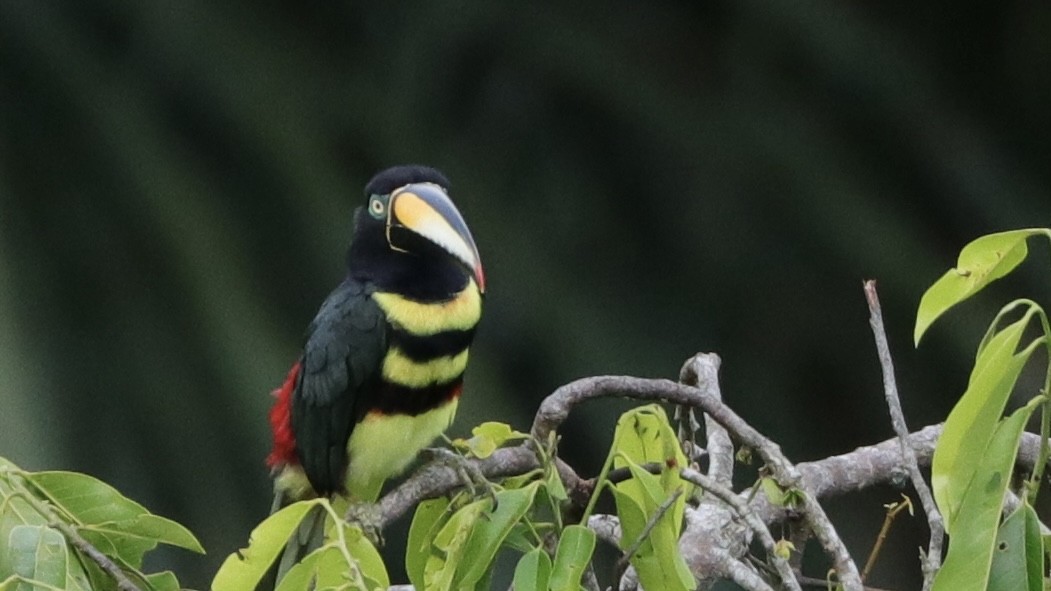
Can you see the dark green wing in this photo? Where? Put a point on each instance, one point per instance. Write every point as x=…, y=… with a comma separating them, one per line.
x=341, y=362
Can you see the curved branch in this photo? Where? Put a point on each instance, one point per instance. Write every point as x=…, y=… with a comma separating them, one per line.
x=556, y=408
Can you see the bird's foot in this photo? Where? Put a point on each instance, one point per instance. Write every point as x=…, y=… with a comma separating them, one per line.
x=366, y=517
x=467, y=471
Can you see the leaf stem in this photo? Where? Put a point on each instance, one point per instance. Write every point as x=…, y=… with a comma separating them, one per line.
x=888, y=520
x=357, y=580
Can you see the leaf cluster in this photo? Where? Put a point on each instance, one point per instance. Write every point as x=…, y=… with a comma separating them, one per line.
x=64, y=530
x=974, y=459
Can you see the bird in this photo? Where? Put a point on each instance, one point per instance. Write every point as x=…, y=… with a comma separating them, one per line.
x=382, y=365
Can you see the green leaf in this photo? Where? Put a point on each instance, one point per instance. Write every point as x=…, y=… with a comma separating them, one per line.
x=773, y=491
x=521, y=537
x=644, y=435
x=440, y=569
x=163, y=581
x=533, y=572
x=332, y=566
x=1035, y=550
x=245, y=568
x=572, y=557
x=980, y=263
x=971, y=422
x=1018, y=555
x=303, y=573
x=368, y=559
x=971, y=543
x=425, y=523
x=554, y=487
x=487, y=437
x=37, y=553
x=128, y=529
x=658, y=561
x=489, y=533
x=331, y=570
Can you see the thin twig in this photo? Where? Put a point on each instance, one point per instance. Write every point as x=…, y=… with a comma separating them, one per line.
x=728, y=496
x=892, y=512
x=931, y=562
x=739, y=571
x=822, y=583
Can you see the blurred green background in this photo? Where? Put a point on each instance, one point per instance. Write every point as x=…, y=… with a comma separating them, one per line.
x=644, y=180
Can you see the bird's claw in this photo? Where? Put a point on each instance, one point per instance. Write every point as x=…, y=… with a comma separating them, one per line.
x=366, y=517
x=467, y=472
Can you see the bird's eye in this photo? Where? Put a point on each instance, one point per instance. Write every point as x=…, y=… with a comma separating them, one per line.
x=377, y=208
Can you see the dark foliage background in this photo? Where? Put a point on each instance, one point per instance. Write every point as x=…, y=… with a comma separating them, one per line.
x=645, y=180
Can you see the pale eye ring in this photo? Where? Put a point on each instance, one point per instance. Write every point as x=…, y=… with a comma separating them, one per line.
x=376, y=208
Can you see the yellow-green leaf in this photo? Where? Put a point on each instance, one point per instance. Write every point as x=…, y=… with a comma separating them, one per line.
x=644, y=436
x=489, y=533
x=773, y=491
x=973, y=537
x=425, y=524
x=980, y=263
x=440, y=569
x=657, y=560
x=163, y=581
x=533, y=572
x=303, y=573
x=971, y=422
x=1019, y=553
x=575, y=548
x=368, y=559
x=245, y=568
x=487, y=437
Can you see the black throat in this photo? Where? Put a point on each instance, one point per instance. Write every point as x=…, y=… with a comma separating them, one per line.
x=426, y=273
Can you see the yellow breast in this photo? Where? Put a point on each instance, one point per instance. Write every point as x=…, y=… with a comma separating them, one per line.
x=461, y=312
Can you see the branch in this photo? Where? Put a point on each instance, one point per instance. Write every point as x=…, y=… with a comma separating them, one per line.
x=745, y=512
x=873, y=465
x=437, y=479
x=556, y=408
x=853, y=471
x=702, y=372
x=932, y=561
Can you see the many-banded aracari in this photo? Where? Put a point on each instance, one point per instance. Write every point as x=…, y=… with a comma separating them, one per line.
x=382, y=367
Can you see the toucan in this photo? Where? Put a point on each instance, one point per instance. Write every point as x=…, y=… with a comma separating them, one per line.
x=382, y=366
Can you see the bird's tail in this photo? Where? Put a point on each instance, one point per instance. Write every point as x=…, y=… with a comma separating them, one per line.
x=309, y=536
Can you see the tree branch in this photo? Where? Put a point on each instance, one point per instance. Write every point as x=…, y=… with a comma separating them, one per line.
x=745, y=512
x=862, y=468
x=556, y=408
x=932, y=560
x=702, y=372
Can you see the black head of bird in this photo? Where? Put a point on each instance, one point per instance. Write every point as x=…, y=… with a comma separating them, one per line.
x=411, y=237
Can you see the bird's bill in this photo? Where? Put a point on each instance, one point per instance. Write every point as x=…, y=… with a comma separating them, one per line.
x=426, y=210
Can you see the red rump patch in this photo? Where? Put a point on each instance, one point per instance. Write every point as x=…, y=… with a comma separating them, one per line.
x=284, y=451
